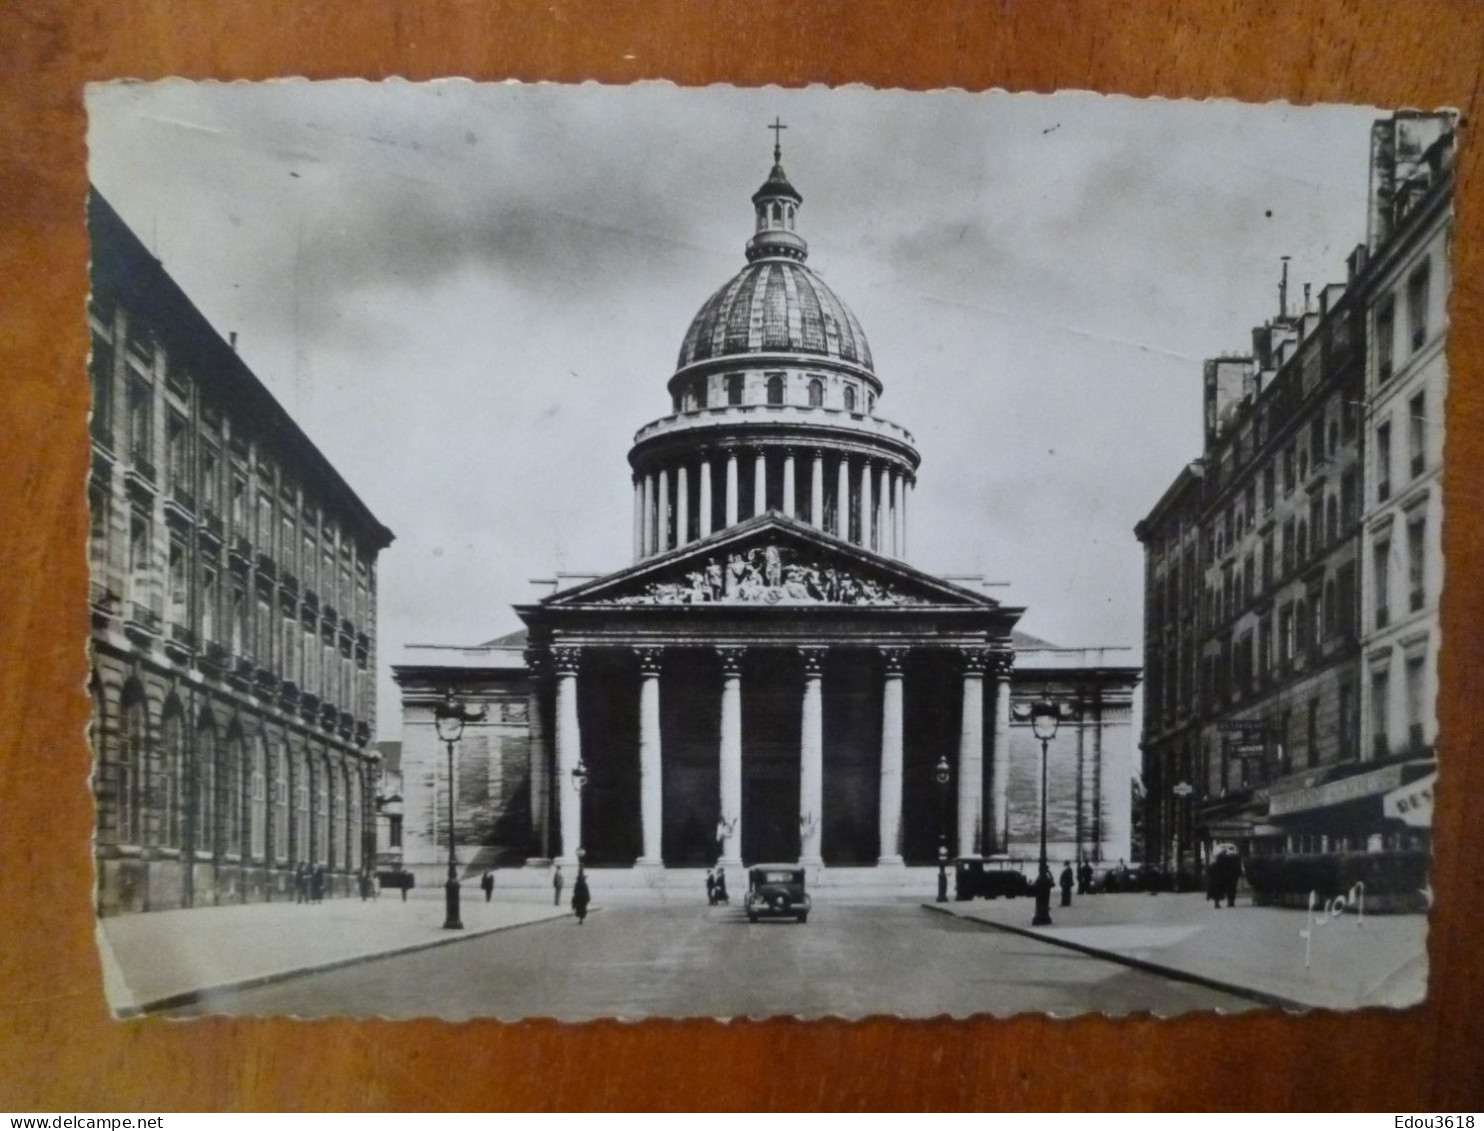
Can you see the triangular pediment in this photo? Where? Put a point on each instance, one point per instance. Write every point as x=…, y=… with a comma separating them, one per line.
x=772, y=561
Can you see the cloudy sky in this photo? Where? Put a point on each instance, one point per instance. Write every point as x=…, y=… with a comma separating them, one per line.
x=471, y=296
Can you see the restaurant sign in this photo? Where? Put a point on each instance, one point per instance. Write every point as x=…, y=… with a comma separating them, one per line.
x=1337, y=792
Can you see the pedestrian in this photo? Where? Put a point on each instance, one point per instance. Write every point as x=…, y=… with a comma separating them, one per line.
x=317, y=884
x=557, y=880
x=301, y=883
x=581, y=897
x=1232, y=875
x=721, y=886
x=1216, y=879
x=711, y=887
x=487, y=882
x=1066, y=884
x=1084, y=878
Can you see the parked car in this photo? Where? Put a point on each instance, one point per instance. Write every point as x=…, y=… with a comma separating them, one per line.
x=990, y=877
x=777, y=892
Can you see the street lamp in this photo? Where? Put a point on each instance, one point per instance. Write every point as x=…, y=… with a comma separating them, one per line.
x=449, y=717
x=1044, y=721
x=579, y=780
x=941, y=775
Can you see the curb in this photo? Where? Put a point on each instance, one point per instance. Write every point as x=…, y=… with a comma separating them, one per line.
x=201, y=993
x=1173, y=973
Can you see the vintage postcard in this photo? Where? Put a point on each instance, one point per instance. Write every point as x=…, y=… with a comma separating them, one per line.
x=734, y=553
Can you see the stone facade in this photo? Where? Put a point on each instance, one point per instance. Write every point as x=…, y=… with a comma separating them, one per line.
x=233, y=612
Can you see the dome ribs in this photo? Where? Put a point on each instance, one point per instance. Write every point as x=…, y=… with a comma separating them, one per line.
x=811, y=316
x=735, y=326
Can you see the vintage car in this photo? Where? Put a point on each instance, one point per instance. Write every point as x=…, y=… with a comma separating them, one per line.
x=990, y=877
x=776, y=891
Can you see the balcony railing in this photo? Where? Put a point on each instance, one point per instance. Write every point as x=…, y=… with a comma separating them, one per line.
x=211, y=522
x=144, y=617
x=182, y=635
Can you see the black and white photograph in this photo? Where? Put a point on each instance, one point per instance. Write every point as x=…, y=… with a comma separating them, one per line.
x=581, y=552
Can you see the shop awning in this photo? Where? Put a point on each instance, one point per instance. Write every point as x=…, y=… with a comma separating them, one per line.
x=1412, y=803
x=1377, y=783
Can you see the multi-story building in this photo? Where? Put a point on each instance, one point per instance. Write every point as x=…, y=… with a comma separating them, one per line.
x=1278, y=550
x=1407, y=244
x=233, y=608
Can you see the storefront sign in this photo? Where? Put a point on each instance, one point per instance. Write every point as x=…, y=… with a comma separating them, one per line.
x=1412, y=803
x=1336, y=792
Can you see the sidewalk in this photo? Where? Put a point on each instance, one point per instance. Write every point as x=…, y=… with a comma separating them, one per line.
x=1255, y=951
x=161, y=959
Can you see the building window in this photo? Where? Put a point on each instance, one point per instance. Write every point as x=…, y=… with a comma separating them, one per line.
x=1416, y=561
x=208, y=603
x=1267, y=562
x=734, y=388
x=816, y=392
x=239, y=505
x=1316, y=440
x=1316, y=522
x=232, y=796
x=178, y=580
x=1417, y=433
x=210, y=473
x=98, y=521
x=1380, y=712
x=1285, y=636
x=171, y=779
x=1290, y=473
x=1346, y=727
x=849, y=398
x=1311, y=751
x=675, y=404
x=139, y=555
x=1416, y=673
x=141, y=417
x=100, y=371
x=1264, y=646
x=279, y=795
x=1349, y=499
x=301, y=809
x=1417, y=301
x=1381, y=581
x=258, y=800
x=775, y=389
x=1290, y=546
x=1332, y=519
x=1383, y=462
x=239, y=620
x=699, y=391
x=1269, y=487
x=177, y=457
x=1385, y=340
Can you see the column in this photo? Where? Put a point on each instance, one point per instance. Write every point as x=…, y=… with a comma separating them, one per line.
x=892, y=489
x=811, y=760
x=638, y=518
x=729, y=826
x=682, y=505
x=971, y=754
x=907, y=490
x=891, y=759
x=538, y=759
x=705, y=492
x=760, y=481
x=662, y=513
x=842, y=500
x=868, y=513
x=651, y=794
x=1004, y=662
x=731, y=515
x=816, y=490
x=790, y=485
x=648, y=532
x=568, y=753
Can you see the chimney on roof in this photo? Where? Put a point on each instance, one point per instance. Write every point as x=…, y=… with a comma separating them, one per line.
x=1283, y=291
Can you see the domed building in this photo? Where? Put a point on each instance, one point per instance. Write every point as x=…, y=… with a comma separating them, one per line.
x=769, y=679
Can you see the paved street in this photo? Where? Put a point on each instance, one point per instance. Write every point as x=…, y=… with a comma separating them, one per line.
x=852, y=959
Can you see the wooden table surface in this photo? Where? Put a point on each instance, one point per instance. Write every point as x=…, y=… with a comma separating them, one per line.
x=59, y=1050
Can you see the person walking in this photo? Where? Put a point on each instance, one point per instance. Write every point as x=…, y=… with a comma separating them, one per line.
x=301, y=883
x=711, y=887
x=317, y=884
x=487, y=882
x=557, y=880
x=581, y=897
x=721, y=886
x=1084, y=878
x=1066, y=884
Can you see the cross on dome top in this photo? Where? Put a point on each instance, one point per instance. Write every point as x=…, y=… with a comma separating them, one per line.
x=776, y=205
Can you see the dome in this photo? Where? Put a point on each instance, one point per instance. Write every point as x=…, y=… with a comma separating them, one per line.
x=775, y=306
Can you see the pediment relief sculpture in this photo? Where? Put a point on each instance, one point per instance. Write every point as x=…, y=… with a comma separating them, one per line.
x=767, y=575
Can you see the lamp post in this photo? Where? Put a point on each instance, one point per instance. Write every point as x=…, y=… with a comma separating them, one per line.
x=941, y=775
x=449, y=717
x=1181, y=790
x=1044, y=721
x=579, y=780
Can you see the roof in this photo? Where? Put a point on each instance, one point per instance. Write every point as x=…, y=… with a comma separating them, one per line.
x=775, y=306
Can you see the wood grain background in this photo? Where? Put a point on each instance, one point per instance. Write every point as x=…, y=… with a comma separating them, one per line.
x=58, y=1049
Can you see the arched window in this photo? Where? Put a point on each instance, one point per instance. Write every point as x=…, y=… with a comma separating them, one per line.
x=870, y=402
x=204, y=802
x=231, y=794
x=700, y=393
x=734, y=388
x=319, y=790
x=777, y=213
x=172, y=776
x=1303, y=541
x=278, y=801
x=775, y=389
x=333, y=802
x=849, y=398
x=816, y=392
x=301, y=808
x=354, y=837
x=257, y=841
x=1332, y=519
x=133, y=751
x=790, y=217
x=675, y=402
